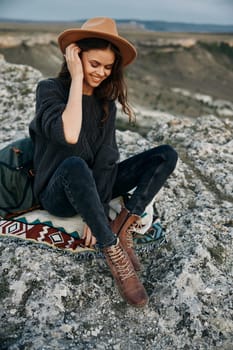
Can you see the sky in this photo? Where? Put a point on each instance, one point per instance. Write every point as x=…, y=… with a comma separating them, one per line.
x=188, y=11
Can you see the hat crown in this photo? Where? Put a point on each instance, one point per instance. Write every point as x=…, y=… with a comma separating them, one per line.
x=102, y=28
x=102, y=25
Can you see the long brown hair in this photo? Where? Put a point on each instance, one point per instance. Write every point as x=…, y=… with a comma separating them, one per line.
x=114, y=86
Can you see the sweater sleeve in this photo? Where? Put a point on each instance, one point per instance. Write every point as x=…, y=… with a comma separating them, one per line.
x=50, y=104
x=105, y=164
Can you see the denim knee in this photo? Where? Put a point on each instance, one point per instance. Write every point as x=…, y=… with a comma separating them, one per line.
x=170, y=156
x=75, y=168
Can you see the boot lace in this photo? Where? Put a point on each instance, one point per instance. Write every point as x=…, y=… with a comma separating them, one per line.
x=131, y=230
x=121, y=262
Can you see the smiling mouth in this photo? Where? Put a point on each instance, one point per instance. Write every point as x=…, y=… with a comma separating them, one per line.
x=96, y=80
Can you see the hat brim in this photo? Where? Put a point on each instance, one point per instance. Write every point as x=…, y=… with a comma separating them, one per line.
x=127, y=50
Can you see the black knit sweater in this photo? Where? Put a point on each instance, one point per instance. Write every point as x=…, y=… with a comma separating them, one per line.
x=96, y=143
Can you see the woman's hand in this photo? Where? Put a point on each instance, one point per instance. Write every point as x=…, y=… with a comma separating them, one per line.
x=73, y=60
x=72, y=115
x=88, y=237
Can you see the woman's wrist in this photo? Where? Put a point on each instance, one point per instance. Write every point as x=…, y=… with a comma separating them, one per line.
x=77, y=79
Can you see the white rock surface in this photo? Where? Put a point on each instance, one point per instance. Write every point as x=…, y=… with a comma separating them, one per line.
x=50, y=300
x=17, y=96
x=222, y=108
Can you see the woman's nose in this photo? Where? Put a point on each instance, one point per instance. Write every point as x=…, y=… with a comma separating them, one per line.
x=101, y=71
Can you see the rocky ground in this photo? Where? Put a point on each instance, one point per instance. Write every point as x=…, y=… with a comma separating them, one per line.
x=50, y=300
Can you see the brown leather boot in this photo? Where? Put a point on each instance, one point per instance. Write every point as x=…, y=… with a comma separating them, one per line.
x=127, y=281
x=122, y=226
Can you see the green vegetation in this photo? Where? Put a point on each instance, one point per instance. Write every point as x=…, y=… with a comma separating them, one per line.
x=219, y=47
x=4, y=288
x=217, y=253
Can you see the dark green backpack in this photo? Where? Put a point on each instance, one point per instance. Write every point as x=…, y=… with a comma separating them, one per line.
x=16, y=178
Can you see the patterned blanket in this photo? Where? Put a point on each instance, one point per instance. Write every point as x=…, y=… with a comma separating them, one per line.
x=62, y=233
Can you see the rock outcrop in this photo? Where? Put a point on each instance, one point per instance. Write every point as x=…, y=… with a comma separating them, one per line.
x=17, y=96
x=49, y=300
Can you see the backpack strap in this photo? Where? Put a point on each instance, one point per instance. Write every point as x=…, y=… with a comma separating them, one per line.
x=20, y=212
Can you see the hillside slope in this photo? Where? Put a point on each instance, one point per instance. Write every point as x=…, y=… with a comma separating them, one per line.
x=197, y=63
x=201, y=67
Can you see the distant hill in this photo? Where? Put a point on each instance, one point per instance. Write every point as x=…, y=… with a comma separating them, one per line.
x=153, y=25
x=162, y=26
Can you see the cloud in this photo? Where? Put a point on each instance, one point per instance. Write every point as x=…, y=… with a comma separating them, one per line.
x=197, y=11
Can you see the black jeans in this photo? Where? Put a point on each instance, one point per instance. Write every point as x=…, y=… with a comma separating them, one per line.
x=72, y=188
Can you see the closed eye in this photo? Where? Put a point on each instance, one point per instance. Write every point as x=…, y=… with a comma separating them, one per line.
x=109, y=67
x=95, y=64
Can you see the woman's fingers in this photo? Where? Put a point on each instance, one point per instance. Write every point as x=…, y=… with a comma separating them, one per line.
x=93, y=241
x=73, y=60
x=89, y=239
x=72, y=52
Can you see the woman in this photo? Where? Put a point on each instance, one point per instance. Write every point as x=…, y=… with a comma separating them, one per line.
x=76, y=153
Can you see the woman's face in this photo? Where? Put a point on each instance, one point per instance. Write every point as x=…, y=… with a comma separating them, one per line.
x=97, y=66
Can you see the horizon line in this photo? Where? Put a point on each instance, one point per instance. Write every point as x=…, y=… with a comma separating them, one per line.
x=17, y=20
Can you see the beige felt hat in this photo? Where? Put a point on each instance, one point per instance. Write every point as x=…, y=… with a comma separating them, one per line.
x=99, y=27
